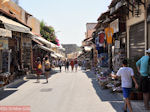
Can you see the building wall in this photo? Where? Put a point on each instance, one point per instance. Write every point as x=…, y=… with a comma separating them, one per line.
x=132, y=20
x=11, y=7
x=89, y=33
x=34, y=24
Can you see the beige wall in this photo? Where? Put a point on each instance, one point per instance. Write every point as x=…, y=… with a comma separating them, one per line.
x=134, y=20
x=34, y=24
x=89, y=33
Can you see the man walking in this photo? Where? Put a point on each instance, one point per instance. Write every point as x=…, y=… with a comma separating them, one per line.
x=143, y=67
x=126, y=73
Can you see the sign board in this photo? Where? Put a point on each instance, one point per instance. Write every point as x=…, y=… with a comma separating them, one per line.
x=117, y=44
x=5, y=33
x=115, y=25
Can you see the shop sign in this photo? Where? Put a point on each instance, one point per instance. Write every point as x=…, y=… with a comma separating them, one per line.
x=117, y=44
x=3, y=43
x=5, y=33
x=115, y=25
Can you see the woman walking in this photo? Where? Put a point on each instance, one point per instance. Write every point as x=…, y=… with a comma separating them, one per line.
x=38, y=69
x=76, y=64
x=72, y=64
x=66, y=65
x=47, y=68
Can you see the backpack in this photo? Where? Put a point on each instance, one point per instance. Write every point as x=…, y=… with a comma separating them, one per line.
x=47, y=65
x=39, y=66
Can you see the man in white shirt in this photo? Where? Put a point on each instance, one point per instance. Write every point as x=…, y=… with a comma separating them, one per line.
x=126, y=74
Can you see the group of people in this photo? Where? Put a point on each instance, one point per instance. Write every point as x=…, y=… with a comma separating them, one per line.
x=67, y=63
x=43, y=67
x=127, y=75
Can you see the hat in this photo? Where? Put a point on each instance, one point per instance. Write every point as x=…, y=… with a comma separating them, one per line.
x=148, y=51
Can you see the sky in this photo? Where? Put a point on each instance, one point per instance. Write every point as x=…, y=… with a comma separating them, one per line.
x=68, y=17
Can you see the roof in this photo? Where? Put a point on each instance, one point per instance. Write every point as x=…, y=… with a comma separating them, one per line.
x=113, y=3
x=103, y=14
x=90, y=26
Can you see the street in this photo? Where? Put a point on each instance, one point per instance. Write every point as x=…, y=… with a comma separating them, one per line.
x=65, y=92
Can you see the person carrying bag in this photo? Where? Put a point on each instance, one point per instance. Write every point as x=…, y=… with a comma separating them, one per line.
x=47, y=68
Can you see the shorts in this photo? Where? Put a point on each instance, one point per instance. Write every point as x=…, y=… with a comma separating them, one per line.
x=47, y=70
x=76, y=65
x=126, y=92
x=144, y=84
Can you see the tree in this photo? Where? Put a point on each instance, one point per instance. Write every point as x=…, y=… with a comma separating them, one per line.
x=47, y=32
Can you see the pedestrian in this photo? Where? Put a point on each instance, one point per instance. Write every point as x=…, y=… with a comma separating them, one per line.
x=47, y=67
x=126, y=73
x=76, y=64
x=38, y=68
x=67, y=65
x=143, y=67
x=72, y=64
x=43, y=66
x=60, y=64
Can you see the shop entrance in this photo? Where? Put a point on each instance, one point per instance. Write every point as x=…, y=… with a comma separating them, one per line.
x=136, y=40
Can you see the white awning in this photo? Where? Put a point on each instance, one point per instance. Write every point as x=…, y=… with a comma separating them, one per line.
x=46, y=48
x=41, y=39
x=59, y=55
x=12, y=25
x=5, y=33
x=53, y=55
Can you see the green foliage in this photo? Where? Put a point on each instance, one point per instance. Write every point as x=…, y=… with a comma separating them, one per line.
x=47, y=32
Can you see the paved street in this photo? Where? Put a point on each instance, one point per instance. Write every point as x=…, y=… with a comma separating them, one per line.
x=65, y=92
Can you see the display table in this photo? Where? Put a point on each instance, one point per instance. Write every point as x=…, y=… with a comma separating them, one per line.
x=4, y=78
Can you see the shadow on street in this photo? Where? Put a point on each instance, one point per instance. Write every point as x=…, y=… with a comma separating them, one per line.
x=17, y=85
x=52, y=72
x=4, y=94
x=115, y=100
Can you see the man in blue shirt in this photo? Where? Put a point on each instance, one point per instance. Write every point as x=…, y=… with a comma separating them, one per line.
x=143, y=67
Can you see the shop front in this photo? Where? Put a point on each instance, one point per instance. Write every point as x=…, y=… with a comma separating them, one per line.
x=15, y=44
x=118, y=43
x=5, y=53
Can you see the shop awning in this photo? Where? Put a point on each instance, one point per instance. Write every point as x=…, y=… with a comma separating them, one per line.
x=41, y=39
x=37, y=41
x=12, y=25
x=46, y=48
x=53, y=55
x=59, y=55
x=5, y=33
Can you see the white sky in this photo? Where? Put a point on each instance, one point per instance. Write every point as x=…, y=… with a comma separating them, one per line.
x=68, y=17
